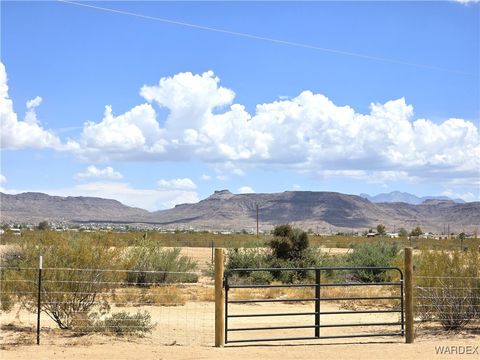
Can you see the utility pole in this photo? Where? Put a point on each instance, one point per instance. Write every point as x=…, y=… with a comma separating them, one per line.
x=257, y=220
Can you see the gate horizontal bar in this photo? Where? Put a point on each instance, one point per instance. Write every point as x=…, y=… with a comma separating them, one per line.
x=359, y=312
x=313, y=313
x=271, y=314
x=273, y=328
x=398, y=283
x=270, y=286
x=273, y=339
x=363, y=298
x=269, y=300
x=315, y=338
x=317, y=268
x=360, y=324
x=311, y=285
x=314, y=299
x=310, y=326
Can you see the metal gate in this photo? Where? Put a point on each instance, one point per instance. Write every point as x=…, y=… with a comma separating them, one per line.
x=316, y=314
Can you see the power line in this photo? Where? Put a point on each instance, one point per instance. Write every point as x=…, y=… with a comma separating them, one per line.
x=264, y=38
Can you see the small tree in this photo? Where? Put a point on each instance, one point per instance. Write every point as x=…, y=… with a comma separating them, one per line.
x=416, y=231
x=43, y=225
x=402, y=232
x=288, y=243
x=462, y=238
x=72, y=290
x=381, y=229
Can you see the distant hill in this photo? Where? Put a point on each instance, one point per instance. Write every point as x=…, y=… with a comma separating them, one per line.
x=319, y=211
x=33, y=207
x=397, y=196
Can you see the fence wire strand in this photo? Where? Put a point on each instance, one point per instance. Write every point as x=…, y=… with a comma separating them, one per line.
x=176, y=308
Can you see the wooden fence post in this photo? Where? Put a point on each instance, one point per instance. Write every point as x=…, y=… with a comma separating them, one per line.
x=219, y=299
x=409, y=331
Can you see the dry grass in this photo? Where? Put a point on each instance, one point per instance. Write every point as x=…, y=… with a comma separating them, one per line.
x=168, y=295
x=326, y=292
x=161, y=295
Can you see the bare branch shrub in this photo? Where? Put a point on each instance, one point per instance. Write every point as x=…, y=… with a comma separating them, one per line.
x=448, y=287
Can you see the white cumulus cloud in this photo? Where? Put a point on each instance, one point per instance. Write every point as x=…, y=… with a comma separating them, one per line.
x=124, y=136
x=3, y=180
x=467, y=1
x=34, y=102
x=467, y=196
x=245, y=190
x=17, y=134
x=307, y=132
x=177, y=184
x=93, y=172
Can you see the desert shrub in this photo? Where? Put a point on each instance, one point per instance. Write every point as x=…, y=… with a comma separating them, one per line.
x=380, y=254
x=288, y=249
x=120, y=323
x=245, y=258
x=248, y=258
x=150, y=264
x=252, y=278
x=261, y=277
x=447, y=287
x=11, y=258
x=75, y=287
x=288, y=243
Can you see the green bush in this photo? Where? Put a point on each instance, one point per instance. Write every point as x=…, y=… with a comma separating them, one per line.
x=288, y=249
x=151, y=264
x=288, y=243
x=11, y=258
x=380, y=254
x=247, y=258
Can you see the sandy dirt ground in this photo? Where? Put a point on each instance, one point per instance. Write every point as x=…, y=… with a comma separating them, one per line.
x=119, y=350
x=186, y=332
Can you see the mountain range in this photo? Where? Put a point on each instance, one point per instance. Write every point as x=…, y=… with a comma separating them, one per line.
x=319, y=211
x=397, y=196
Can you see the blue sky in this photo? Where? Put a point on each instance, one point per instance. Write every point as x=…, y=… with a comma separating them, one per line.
x=328, y=96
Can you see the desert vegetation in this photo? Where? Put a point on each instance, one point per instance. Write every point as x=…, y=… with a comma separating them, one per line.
x=83, y=275
x=290, y=248
x=245, y=240
x=448, y=287
x=78, y=294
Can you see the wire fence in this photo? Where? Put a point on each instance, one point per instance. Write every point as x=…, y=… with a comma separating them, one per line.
x=175, y=308
x=161, y=306
x=447, y=303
